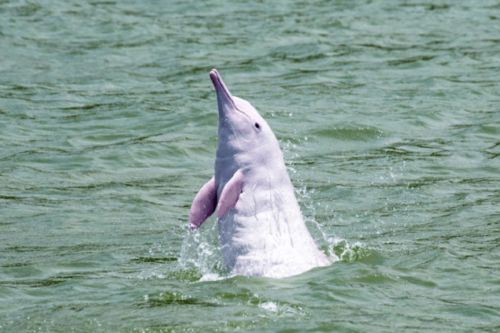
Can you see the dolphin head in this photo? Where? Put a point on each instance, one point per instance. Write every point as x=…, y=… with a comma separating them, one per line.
x=241, y=128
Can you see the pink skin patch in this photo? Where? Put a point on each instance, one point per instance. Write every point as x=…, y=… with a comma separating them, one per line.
x=230, y=194
x=203, y=205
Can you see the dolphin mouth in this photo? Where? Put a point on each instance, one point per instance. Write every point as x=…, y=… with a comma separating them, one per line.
x=223, y=94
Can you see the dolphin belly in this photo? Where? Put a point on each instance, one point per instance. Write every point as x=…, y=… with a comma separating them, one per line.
x=264, y=235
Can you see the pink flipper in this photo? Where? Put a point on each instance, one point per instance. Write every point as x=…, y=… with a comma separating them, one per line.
x=203, y=204
x=230, y=193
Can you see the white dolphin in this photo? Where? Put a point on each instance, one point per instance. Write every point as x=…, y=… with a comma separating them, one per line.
x=261, y=229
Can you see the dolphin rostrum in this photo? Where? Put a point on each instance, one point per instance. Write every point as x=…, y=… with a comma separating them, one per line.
x=261, y=229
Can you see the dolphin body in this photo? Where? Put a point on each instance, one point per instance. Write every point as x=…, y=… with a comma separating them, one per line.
x=261, y=229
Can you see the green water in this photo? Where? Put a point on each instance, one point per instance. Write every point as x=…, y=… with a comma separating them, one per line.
x=388, y=113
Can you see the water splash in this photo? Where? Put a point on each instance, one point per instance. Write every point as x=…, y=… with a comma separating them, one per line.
x=355, y=252
x=200, y=250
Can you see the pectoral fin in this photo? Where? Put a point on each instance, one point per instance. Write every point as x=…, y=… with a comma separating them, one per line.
x=230, y=193
x=203, y=205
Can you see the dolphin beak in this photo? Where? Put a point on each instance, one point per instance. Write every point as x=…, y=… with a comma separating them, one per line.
x=224, y=98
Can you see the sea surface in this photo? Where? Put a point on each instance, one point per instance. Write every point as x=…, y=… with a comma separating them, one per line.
x=388, y=114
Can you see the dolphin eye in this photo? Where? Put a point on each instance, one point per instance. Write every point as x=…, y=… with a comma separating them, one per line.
x=257, y=126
